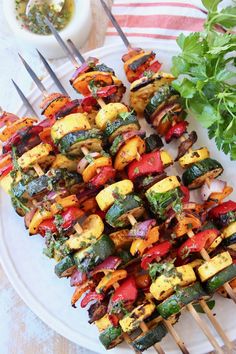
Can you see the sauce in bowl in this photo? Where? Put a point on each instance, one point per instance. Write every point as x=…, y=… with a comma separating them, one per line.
x=34, y=22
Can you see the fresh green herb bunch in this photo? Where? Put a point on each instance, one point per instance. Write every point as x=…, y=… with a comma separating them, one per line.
x=205, y=71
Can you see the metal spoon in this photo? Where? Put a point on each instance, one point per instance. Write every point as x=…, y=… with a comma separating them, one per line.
x=56, y=5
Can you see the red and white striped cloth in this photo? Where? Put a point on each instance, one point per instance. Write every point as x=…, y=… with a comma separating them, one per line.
x=145, y=20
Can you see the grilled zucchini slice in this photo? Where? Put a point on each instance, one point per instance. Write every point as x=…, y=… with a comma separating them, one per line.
x=183, y=296
x=72, y=143
x=117, y=215
x=143, y=89
x=120, y=126
x=65, y=267
x=196, y=175
x=219, y=279
x=95, y=254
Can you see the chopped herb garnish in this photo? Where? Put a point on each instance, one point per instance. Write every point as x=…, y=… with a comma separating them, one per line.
x=148, y=74
x=126, y=115
x=89, y=158
x=93, y=88
x=55, y=246
x=34, y=22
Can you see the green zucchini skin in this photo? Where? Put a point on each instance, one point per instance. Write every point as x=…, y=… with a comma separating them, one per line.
x=153, y=142
x=120, y=208
x=112, y=127
x=103, y=68
x=163, y=94
x=94, y=254
x=183, y=296
x=231, y=240
x=65, y=267
x=38, y=185
x=126, y=256
x=111, y=337
x=146, y=340
x=70, y=139
x=193, y=177
x=19, y=189
x=220, y=279
x=138, y=62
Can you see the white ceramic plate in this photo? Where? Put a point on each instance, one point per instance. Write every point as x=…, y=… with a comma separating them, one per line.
x=32, y=275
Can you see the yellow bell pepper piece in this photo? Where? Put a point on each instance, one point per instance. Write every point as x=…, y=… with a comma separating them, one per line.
x=130, y=151
x=139, y=246
x=91, y=171
x=106, y=197
x=109, y=279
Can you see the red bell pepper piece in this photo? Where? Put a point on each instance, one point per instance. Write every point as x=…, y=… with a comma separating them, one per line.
x=47, y=225
x=196, y=243
x=127, y=291
x=176, y=131
x=155, y=252
x=110, y=263
x=186, y=194
x=28, y=136
x=7, y=118
x=46, y=123
x=106, y=91
x=222, y=209
x=77, y=278
x=45, y=137
x=5, y=170
x=87, y=103
x=147, y=164
x=101, y=213
x=114, y=319
x=70, y=216
x=91, y=296
x=154, y=67
x=70, y=107
x=106, y=173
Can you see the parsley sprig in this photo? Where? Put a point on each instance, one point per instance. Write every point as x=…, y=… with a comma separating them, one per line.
x=207, y=77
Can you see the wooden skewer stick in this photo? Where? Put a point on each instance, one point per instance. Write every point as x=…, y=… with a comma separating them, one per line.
x=176, y=337
x=168, y=325
x=126, y=337
x=206, y=257
x=145, y=329
x=38, y=169
x=216, y=324
x=208, y=312
x=116, y=285
x=204, y=328
x=204, y=253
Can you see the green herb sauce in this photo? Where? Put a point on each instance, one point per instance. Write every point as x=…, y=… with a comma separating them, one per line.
x=34, y=22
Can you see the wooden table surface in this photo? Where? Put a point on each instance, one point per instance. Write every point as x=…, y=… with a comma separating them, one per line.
x=21, y=331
